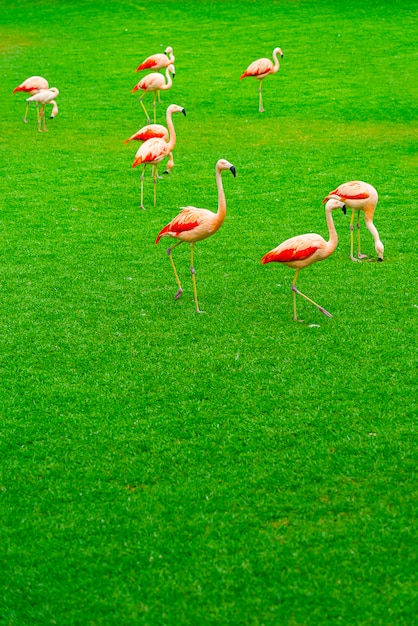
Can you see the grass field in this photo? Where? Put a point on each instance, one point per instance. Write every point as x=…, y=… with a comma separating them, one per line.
x=160, y=467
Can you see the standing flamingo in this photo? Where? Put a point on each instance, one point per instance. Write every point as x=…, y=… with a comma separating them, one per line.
x=152, y=131
x=46, y=96
x=260, y=69
x=360, y=196
x=155, y=150
x=303, y=250
x=154, y=82
x=32, y=85
x=158, y=61
x=193, y=224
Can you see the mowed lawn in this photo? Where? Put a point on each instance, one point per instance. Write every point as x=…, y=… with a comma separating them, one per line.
x=160, y=467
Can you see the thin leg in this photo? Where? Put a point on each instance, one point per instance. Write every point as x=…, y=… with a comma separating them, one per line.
x=360, y=256
x=260, y=92
x=352, y=257
x=155, y=107
x=43, y=117
x=38, y=115
x=169, y=251
x=155, y=175
x=193, y=272
x=25, y=119
x=297, y=292
x=142, y=188
x=145, y=111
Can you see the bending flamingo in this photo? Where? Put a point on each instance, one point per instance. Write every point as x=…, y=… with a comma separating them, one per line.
x=360, y=196
x=152, y=131
x=193, y=224
x=303, y=250
x=158, y=61
x=154, y=83
x=260, y=69
x=46, y=96
x=155, y=150
x=32, y=85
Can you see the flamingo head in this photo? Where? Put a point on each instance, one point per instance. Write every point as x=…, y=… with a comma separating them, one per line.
x=335, y=203
x=223, y=164
x=168, y=51
x=171, y=69
x=278, y=51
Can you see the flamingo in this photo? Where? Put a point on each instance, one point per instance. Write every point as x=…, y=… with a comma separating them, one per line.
x=360, y=196
x=158, y=61
x=303, y=250
x=155, y=150
x=54, y=111
x=152, y=131
x=46, y=96
x=32, y=85
x=193, y=224
x=260, y=69
x=154, y=82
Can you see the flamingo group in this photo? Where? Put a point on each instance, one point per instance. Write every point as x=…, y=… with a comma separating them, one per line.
x=154, y=150
x=192, y=225
x=260, y=69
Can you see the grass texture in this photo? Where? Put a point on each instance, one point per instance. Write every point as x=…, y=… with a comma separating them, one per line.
x=160, y=467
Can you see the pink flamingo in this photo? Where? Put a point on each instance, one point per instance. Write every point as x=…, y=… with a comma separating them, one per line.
x=155, y=150
x=360, y=196
x=152, y=131
x=303, y=250
x=154, y=83
x=46, y=96
x=158, y=61
x=193, y=224
x=260, y=69
x=32, y=85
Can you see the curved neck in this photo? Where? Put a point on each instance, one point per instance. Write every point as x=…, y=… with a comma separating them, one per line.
x=169, y=80
x=172, y=141
x=276, y=62
x=333, y=237
x=221, y=197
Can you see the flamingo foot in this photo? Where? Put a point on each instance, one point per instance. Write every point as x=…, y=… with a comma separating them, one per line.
x=199, y=311
x=25, y=120
x=178, y=294
x=353, y=258
x=141, y=206
x=362, y=256
x=261, y=110
x=324, y=311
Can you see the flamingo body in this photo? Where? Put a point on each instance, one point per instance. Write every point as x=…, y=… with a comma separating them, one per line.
x=304, y=250
x=158, y=61
x=151, y=131
x=360, y=196
x=260, y=69
x=32, y=85
x=193, y=224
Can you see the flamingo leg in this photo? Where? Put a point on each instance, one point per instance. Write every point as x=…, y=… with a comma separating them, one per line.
x=142, y=188
x=297, y=292
x=260, y=92
x=360, y=256
x=169, y=251
x=43, y=117
x=155, y=175
x=38, y=115
x=25, y=119
x=193, y=273
x=144, y=109
x=352, y=257
x=155, y=106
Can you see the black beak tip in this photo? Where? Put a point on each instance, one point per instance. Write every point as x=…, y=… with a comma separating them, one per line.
x=344, y=209
x=184, y=112
x=234, y=171
x=379, y=260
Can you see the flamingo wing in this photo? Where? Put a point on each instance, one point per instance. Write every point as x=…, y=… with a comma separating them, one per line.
x=258, y=68
x=349, y=191
x=187, y=220
x=148, y=64
x=295, y=249
x=152, y=151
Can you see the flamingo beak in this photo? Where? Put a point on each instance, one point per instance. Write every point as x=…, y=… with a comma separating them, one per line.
x=344, y=209
x=184, y=112
x=233, y=170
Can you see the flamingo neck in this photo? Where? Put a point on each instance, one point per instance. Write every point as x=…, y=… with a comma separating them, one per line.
x=221, y=199
x=172, y=141
x=169, y=80
x=276, y=65
x=333, y=237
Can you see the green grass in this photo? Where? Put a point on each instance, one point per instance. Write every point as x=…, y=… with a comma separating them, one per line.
x=161, y=467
